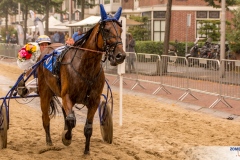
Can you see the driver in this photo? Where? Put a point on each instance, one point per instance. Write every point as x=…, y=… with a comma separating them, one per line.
x=23, y=90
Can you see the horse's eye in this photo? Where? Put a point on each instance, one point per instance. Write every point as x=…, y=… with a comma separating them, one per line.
x=107, y=30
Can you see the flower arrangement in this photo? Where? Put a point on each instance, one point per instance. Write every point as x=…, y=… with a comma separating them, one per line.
x=26, y=52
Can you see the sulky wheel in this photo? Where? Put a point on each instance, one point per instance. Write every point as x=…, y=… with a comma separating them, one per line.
x=3, y=128
x=106, y=124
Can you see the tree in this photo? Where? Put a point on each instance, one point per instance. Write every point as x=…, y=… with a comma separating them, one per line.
x=44, y=8
x=84, y=4
x=139, y=32
x=233, y=31
x=167, y=35
x=217, y=3
x=210, y=28
x=7, y=7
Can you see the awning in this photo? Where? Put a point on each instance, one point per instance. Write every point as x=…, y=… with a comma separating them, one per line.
x=87, y=21
x=95, y=19
x=131, y=22
x=52, y=28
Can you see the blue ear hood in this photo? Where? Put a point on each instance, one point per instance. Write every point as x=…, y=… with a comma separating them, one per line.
x=105, y=17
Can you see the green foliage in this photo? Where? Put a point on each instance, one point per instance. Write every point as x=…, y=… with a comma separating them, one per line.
x=139, y=32
x=152, y=47
x=217, y=3
x=233, y=31
x=210, y=28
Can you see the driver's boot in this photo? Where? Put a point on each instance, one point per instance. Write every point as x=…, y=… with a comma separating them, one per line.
x=21, y=89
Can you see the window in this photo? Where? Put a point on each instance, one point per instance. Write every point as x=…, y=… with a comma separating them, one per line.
x=158, y=30
x=202, y=14
x=208, y=14
x=159, y=14
x=77, y=18
x=147, y=14
x=65, y=16
x=116, y=1
x=214, y=14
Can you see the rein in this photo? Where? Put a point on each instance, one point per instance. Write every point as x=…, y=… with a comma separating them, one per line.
x=85, y=49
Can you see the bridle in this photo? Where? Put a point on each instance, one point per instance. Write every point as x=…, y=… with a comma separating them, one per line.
x=106, y=49
x=106, y=35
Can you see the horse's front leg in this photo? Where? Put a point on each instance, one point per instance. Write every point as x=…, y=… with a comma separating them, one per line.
x=88, y=126
x=70, y=121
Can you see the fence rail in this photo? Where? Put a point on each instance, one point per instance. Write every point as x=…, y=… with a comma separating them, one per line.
x=208, y=76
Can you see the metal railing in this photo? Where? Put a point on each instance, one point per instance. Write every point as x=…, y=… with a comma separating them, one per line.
x=207, y=76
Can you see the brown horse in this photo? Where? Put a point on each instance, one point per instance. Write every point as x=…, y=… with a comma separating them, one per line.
x=81, y=77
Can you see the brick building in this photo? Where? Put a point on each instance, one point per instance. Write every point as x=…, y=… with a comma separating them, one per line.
x=155, y=10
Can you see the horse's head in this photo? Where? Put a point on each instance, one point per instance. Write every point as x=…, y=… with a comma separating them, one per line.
x=111, y=29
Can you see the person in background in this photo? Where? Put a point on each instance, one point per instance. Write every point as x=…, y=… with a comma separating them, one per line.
x=35, y=36
x=56, y=37
x=66, y=36
x=29, y=37
x=78, y=35
x=13, y=39
x=7, y=37
x=130, y=47
x=62, y=38
x=69, y=42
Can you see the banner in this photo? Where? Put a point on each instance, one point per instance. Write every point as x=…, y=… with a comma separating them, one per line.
x=20, y=35
x=37, y=22
x=32, y=15
x=40, y=27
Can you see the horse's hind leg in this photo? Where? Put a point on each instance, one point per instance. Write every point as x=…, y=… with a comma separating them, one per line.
x=45, y=106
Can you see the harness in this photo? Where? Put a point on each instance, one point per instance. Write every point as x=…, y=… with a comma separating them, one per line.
x=109, y=51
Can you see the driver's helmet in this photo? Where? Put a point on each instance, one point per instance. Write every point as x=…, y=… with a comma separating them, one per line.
x=43, y=38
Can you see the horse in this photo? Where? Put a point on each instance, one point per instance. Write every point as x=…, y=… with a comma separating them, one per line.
x=80, y=78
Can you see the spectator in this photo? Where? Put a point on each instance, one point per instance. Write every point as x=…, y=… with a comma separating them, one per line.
x=7, y=37
x=62, y=38
x=29, y=37
x=56, y=37
x=130, y=47
x=13, y=39
x=35, y=36
x=78, y=35
x=66, y=36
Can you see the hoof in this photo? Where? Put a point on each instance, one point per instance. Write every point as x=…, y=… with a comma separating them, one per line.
x=65, y=141
x=49, y=143
x=86, y=152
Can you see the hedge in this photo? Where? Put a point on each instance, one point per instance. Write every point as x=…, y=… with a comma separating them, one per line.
x=152, y=47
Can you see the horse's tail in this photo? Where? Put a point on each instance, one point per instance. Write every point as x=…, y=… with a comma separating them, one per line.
x=53, y=108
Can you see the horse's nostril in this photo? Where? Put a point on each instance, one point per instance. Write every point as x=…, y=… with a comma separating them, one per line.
x=119, y=56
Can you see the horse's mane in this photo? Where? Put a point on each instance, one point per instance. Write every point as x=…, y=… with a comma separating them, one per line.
x=81, y=41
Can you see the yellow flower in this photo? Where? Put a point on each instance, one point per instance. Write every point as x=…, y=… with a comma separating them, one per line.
x=31, y=48
x=34, y=49
x=28, y=47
